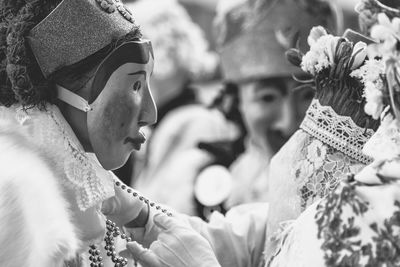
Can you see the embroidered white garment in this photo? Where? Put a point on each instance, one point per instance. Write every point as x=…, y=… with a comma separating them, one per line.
x=78, y=170
x=357, y=224
x=311, y=164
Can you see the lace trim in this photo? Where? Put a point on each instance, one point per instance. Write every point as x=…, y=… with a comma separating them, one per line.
x=81, y=171
x=339, y=132
x=78, y=170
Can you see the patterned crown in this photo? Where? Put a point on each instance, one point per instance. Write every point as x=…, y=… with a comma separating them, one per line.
x=76, y=29
x=268, y=28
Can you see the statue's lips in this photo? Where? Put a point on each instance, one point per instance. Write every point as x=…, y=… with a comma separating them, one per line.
x=136, y=141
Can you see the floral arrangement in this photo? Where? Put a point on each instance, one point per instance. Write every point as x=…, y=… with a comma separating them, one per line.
x=328, y=51
x=371, y=75
x=341, y=71
x=387, y=49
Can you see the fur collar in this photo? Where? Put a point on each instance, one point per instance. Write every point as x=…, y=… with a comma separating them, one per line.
x=37, y=229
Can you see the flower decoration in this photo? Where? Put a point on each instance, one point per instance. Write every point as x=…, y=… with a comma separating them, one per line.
x=372, y=75
x=341, y=61
x=328, y=54
x=387, y=33
x=332, y=52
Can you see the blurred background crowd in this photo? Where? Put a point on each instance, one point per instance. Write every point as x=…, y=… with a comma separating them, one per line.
x=226, y=100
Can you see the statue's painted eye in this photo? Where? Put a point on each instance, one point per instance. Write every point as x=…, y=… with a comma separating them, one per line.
x=137, y=86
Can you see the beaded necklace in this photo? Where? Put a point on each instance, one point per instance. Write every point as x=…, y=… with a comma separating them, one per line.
x=114, y=231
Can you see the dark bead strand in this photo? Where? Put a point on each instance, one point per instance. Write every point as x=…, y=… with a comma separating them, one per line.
x=141, y=198
x=94, y=258
x=113, y=231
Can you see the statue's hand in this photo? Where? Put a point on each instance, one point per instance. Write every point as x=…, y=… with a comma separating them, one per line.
x=125, y=209
x=177, y=245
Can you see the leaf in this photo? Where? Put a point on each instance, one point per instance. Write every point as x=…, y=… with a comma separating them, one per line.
x=294, y=56
x=359, y=54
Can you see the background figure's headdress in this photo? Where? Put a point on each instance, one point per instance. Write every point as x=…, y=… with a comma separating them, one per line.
x=178, y=42
x=254, y=35
x=76, y=29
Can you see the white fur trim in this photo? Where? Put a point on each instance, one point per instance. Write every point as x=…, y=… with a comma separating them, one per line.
x=36, y=229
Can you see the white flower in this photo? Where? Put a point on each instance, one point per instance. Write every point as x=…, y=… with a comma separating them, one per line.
x=374, y=100
x=331, y=48
x=370, y=75
x=388, y=33
x=387, y=27
x=321, y=54
x=315, y=34
x=373, y=51
x=370, y=71
x=359, y=54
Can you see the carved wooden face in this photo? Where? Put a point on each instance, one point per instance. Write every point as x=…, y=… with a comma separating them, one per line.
x=122, y=104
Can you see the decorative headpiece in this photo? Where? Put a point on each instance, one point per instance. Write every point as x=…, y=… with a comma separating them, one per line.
x=254, y=35
x=337, y=66
x=341, y=72
x=76, y=29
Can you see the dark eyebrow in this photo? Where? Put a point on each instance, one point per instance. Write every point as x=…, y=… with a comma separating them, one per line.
x=138, y=72
x=277, y=84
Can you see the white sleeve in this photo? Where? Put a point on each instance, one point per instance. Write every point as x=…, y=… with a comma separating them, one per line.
x=238, y=239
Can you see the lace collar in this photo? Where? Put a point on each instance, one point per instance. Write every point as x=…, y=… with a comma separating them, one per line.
x=339, y=132
x=79, y=171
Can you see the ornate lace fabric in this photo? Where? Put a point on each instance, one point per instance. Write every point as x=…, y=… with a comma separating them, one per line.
x=357, y=224
x=339, y=132
x=79, y=171
x=310, y=165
